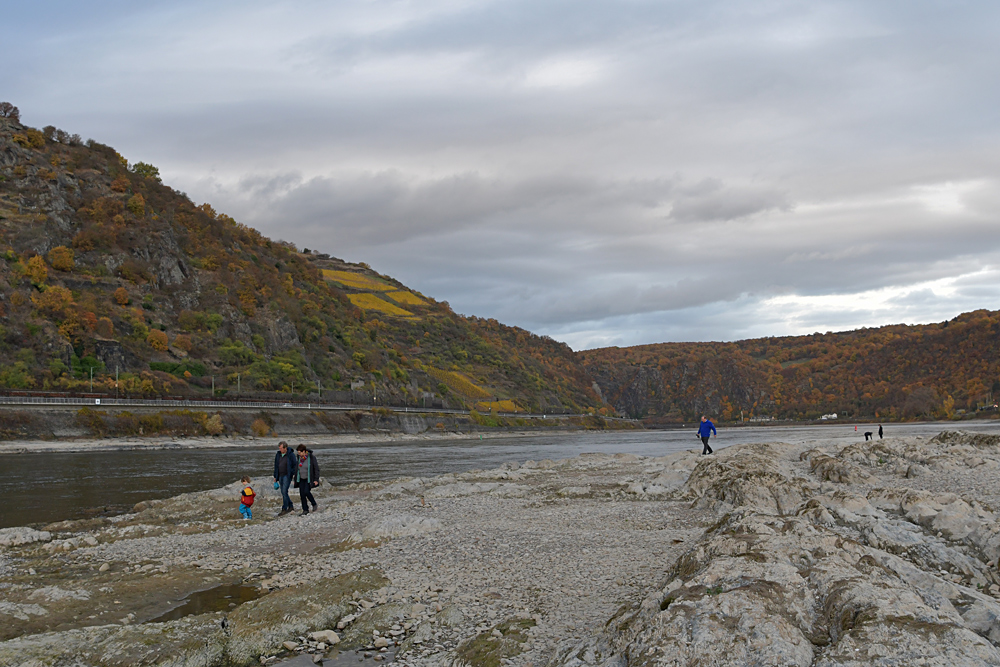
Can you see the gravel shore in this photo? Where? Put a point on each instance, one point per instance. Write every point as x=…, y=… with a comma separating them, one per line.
x=756, y=554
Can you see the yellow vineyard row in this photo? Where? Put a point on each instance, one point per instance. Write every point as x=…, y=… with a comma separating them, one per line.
x=372, y=302
x=356, y=280
x=406, y=298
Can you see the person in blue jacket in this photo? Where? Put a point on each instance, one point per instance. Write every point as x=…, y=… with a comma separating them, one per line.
x=705, y=431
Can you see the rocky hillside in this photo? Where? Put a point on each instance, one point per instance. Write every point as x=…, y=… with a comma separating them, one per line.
x=894, y=372
x=107, y=272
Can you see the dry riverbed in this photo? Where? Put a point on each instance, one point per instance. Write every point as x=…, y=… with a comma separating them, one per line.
x=771, y=554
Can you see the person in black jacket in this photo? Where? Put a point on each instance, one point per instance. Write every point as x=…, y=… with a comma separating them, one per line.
x=306, y=477
x=285, y=467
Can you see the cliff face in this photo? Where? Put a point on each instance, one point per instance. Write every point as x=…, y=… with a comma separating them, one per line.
x=103, y=268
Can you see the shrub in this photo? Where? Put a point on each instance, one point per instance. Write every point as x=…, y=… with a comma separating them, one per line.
x=17, y=376
x=157, y=340
x=35, y=138
x=183, y=342
x=260, y=428
x=121, y=296
x=236, y=353
x=95, y=236
x=54, y=300
x=37, y=271
x=137, y=205
x=61, y=258
x=183, y=369
x=213, y=425
x=120, y=184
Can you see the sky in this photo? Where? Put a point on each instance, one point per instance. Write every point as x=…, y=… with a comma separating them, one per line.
x=605, y=173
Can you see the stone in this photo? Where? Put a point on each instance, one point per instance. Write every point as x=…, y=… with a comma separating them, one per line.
x=380, y=642
x=104, y=568
x=327, y=636
x=418, y=609
x=289, y=645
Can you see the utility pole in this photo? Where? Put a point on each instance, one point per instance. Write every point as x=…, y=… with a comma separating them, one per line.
x=91, y=379
x=319, y=386
x=213, y=386
x=116, y=382
x=238, y=384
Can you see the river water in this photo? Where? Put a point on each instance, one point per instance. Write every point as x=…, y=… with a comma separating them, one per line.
x=45, y=487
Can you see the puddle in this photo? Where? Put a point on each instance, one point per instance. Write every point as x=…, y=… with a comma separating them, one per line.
x=220, y=598
x=338, y=659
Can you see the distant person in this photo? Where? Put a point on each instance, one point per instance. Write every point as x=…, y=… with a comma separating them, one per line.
x=868, y=436
x=246, y=499
x=879, y=431
x=705, y=431
x=285, y=467
x=306, y=477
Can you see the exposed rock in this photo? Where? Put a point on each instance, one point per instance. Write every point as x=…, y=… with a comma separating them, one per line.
x=747, y=476
x=11, y=537
x=327, y=636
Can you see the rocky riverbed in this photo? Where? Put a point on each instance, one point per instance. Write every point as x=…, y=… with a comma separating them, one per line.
x=767, y=554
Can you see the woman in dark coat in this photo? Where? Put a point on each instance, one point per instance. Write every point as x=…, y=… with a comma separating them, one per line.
x=306, y=477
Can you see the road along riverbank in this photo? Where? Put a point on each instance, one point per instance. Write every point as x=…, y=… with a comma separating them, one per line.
x=768, y=553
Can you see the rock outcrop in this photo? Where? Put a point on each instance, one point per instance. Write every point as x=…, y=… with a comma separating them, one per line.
x=818, y=566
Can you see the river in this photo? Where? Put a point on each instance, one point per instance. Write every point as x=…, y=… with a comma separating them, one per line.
x=44, y=487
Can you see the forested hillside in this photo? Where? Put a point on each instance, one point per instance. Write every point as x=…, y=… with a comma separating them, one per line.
x=892, y=372
x=106, y=272
x=111, y=281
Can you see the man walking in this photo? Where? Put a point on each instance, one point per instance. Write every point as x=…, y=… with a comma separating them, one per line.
x=879, y=431
x=705, y=431
x=285, y=467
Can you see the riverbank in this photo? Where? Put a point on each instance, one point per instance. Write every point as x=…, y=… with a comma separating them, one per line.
x=770, y=553
x=61, y=427
x=231, y=442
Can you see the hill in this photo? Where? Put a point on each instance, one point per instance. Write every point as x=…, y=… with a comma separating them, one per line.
x=892, y=372
x=106, y=272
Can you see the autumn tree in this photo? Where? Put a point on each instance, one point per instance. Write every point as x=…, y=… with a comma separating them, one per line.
x=183, y=342
x=157, y=340
x=121, y=296
x=146, y=171
x=8, y=110
x=61, y=258
x=137, y=205
x=36, y=270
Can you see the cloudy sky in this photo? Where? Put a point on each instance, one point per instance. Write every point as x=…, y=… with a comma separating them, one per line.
x=607, y=173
